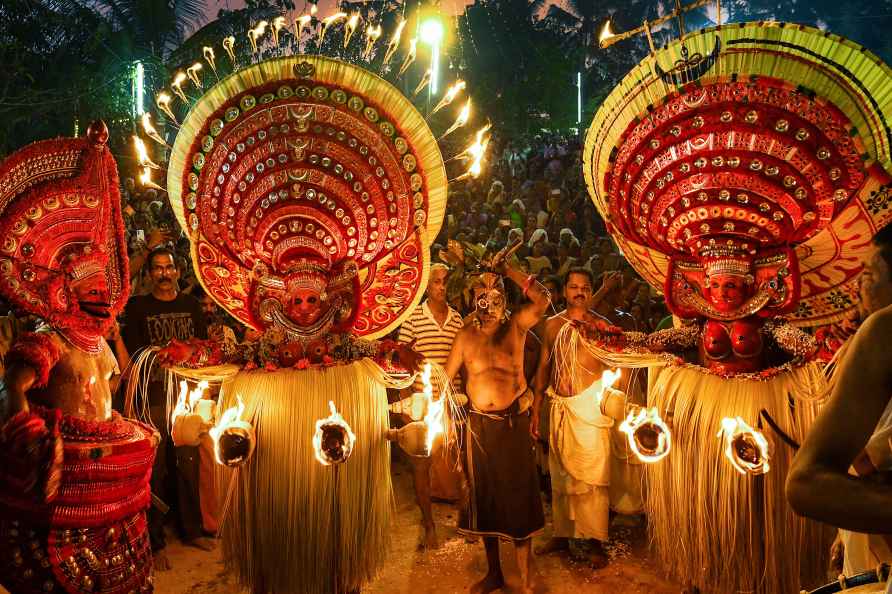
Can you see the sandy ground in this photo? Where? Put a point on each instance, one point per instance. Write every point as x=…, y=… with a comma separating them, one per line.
x=453, y=567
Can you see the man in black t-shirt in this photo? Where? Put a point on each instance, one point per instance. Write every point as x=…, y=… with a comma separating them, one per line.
x=153, y=320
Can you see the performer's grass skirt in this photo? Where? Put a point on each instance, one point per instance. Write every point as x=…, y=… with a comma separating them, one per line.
x=279, y=529
x=713, y=527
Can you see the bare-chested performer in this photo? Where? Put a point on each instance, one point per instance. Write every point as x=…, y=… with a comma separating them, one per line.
x=503, y=499
x=579, y=440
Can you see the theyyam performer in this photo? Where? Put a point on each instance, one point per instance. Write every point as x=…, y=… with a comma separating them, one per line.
x=741, y=170
x=310, y=189
x=74, y=475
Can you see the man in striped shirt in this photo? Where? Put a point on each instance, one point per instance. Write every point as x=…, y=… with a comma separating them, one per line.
x=432, y=326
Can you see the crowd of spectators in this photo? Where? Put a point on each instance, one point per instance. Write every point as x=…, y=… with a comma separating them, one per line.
x=532, y=190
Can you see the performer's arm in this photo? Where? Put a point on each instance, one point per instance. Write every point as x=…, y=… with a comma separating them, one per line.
x=672, y=339
x=610, y=281
x=540, y=381
x=530, y=313
x=29, y=363
x=456, y=355
x=819, y=485
x=198, y=353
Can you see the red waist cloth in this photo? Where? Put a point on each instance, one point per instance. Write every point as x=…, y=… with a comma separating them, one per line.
x=63, y=472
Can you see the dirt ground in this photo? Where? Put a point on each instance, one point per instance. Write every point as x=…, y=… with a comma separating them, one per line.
x=453, y=567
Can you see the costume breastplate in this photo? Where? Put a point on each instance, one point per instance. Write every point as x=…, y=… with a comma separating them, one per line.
x=732, y=346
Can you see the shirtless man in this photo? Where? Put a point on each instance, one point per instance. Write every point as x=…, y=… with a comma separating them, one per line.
x=503, y=499
x=819, y=485
x=580, y=497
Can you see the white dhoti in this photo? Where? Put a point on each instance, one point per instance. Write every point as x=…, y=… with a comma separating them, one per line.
x=579, y=463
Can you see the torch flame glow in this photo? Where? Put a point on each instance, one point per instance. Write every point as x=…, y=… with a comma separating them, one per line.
x=231, y=416
x=606, y=32
x=371, y=36
x=229, y=46
x=647, y=419
x=314, y=8
x=350, y=28
x=460, y=121
x=177, y=85
x=433, y=419
x=192, y=73
x=329, y=21
x=150, y=130
x=145, y=179
x=163, y=103
x=209, y=57
x=278, y=24
x=256, y=33
x=450, y=94
x=301, y=22
x=334, y=419
x=187, y=399
x=394, y=42
x=410, y=56
x=142, y=155
x=425, y=80
x=476, y=152
x=746, y=448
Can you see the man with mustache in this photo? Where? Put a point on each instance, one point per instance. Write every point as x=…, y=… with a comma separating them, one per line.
x=153, y=320
x=503, y=500
x=579, y=454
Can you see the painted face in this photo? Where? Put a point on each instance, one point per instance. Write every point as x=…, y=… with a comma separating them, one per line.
x=305, y=305
x=93, y=297
x=876, y=282
x=490, y=305
x=726, y=292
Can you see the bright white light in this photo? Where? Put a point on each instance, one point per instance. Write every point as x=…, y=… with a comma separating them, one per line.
x=578, y=97
x=140, y=89
x=431, y=33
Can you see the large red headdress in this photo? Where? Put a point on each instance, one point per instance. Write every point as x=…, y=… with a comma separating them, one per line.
x=305, y=179
x=62, y=251
x=768, y=142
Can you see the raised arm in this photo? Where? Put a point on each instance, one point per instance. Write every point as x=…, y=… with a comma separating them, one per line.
x=542, y=379
x=819, y=485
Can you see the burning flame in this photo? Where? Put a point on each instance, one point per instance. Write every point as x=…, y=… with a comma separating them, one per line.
x=150, y=130
x=450, y=94
x=425, y=80
x=314, y=8
x=329, y=21
x=350, y=28
x=177, y=85
x=410, y=56
x=231, y=416
x=163, y=103
x=187, y=399
x=475, y=153
x=142, y=154
x=433, y=419
x=746, y=448
x=394, y=42
x=371, y=36
x=192, y=73
x=145, y=179
x=278, y=24
x=647, y=421
x=256, y=33
x=334, y=419
x=209, y=57
x=229, y=46
x=301, y=22
x=460, y=121
x=606, y=32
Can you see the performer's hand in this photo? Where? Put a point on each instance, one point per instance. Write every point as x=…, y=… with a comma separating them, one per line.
x=534, y=424
x=611, y=280
x=499, y=261
x=175, y=353
x=114, y=332
x=409, y=358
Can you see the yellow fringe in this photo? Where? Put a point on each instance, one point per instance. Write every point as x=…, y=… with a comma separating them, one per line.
x=711, y=526
x=278, y=533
